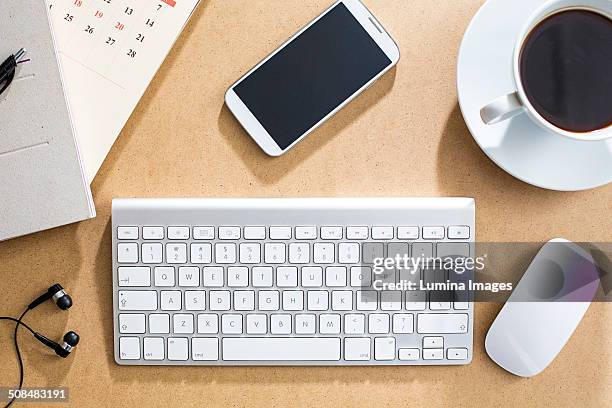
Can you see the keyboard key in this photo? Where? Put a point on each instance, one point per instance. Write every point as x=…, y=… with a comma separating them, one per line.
x=203, y=233
x=153, y=348
x=409, y=354
x=274, y=253
x=372, y=251
x=127, y=232
x=151, y=253
x=281, y=349
x=382, y=233
x=408, y=232
x=262, y=276
x=457, y=353
x=137, y=300
x=204, y=349
x=127, y=253
x=256, y=233
x=189, y=276
x=335, y=276
x=230, y=233
x=422, y=250
x=178, y=233
x=384, y=348
x=225, y=253
x=329, y=323
x=378, y=323
x=331, y=232
x=286, y=276
x=219, y=300
x=433, y=232
x=212, y=276
x=367, y=300
x=164, y=276
x=391, y=300
x=231, y=324
x=348, y=253
x=459, y=232
x=324, y=253
x=280, y=232
x=342, y=300
x=159, y=323
x=359, y=233
x=434, y=305
x=250, y=253
x=178, y=349
x=433, y=342
x=312, y=276
x=293, y=300
x=268, y=300
x=208, y=323
x=182, y=323
x=354, y=323
x=244, y=300
x=396, y=249
x=415, y=300
x=442, y=323
x=433, y=354
x=170, y=300
x=195, y=300
x=134, y=276
x=176, y=253
x=361, y=276
x=305, y=324
x=403, y=323
x=153, y=233
x=131, y=323
x=237, y=276
x=280, y=324
x=256, y=324
x=299, y=253
x=318, y=300
x=201, y=253
x=306, y=232
x=129, y=348
x=357, y=349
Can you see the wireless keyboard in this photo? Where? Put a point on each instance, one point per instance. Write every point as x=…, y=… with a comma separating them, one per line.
x=283, y=282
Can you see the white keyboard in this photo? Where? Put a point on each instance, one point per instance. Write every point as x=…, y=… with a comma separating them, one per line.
x=284, y=282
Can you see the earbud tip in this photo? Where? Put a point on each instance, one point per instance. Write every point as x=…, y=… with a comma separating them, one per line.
x=71, y=338
x=65, y=302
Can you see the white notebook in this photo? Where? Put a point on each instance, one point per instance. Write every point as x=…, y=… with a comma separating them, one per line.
x=110, y=51
x=42, y=183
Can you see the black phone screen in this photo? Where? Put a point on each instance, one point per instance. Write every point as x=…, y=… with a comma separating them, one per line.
x=312, y=75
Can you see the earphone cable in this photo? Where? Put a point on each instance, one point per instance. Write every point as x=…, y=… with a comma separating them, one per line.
x=16, y=343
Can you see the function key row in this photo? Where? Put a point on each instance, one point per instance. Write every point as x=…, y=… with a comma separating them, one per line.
x=300, y=232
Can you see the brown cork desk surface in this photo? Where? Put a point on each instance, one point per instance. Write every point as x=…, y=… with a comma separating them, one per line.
x=403, y=137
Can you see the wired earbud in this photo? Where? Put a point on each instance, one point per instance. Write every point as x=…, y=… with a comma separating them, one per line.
x=59, y=296
x=70, y=340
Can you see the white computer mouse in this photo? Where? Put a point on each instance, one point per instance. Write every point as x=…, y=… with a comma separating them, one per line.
x=544, y=309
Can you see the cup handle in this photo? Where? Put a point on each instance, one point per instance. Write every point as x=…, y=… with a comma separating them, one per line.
x=502, y=108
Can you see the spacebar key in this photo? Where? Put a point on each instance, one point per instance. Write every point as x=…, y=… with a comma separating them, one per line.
x=281, y=349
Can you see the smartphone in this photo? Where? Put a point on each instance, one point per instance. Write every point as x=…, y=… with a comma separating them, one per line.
x=312, y=76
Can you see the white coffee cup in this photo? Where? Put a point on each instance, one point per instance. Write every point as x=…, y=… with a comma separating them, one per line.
x=515, y=103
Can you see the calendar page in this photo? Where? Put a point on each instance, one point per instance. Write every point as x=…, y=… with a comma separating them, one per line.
x=109, y=51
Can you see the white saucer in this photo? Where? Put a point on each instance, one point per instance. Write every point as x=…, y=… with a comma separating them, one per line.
x=519, y=146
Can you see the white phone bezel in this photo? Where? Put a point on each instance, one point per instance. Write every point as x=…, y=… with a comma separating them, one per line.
x=255, y=129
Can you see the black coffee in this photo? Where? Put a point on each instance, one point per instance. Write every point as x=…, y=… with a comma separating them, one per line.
x=566, y=70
